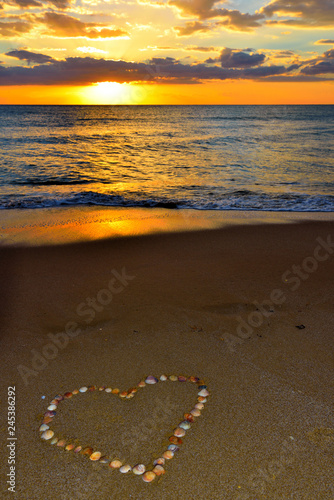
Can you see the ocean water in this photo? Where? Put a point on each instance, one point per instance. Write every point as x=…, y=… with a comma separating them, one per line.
x=276, y=158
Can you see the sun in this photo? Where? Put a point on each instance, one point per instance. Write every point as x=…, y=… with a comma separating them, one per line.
x=112, y=93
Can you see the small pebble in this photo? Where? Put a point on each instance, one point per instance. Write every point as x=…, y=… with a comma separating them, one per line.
x=149, y=476
x=125, y=468
x=47, y=435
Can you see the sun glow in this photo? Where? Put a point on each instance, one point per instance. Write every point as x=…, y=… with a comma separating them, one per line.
x=113, y=93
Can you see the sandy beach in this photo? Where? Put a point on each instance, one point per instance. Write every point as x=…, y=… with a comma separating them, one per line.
x=245, y=305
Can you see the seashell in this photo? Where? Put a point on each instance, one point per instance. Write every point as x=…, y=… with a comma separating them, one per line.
x=91, y=388
x=47, y=435
x=139, y=469
x=87, y=451
x=202, y=387
x=52, y=407
x=175, y=440
x=108, y=389
x=49, y=414
x=203, y=393
x=168, y=454
x=173, y=448
x=141, y=384
x=95, y=456
x=83, y=389
x=125, y=468
x=61, y=443
x=185, y=425
x=77, y=449
x=149, y=476
x=199, y=406
x=163, y=378
x=47, y=420
x=195, y=412
x=189, y=417
x=69, y=447
x=59, y=397
x=133, y=390
x=43, y=428
x=159, y=461
x=115, y=464
x=159, y=470
x=130, y=396
x=54, y=441
x=193, y=379
x=200, y=399
x=123, y=394
x=173, y=378
x=75, y=391
x=181, y=378
x=151, y=380
x=178, y=432
x=200, y=382
x=102, y=387
x=104, y=460
x=68, y=395
x=115, y=391
x=54, y=402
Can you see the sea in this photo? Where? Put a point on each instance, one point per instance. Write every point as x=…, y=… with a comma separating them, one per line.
x=265, y=158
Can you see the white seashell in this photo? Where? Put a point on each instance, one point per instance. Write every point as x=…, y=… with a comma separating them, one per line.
x=139, y=469
x=47, y=435
x=43, y=428
x=204, y=393
x=199, y=406
x=163, y=378
x=185, y=425
x=179, y=432
x=125, y=468
x=108, y=389
x=151, y=380
x=115, y=464
x=83, y=389
x=173, y=448
x=173, y=378
x=195, y=412
x=52, y=407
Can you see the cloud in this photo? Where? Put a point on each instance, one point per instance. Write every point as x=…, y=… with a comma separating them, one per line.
x=14, y=29
x=87, y=70
x=236, y=21
x=306, y=13
x=62, y=25
x=26, y=4
x=31, y=57
x=190, y=28
x=202, y=49
x=232, y=58
x=324, y=42
x=324, y=65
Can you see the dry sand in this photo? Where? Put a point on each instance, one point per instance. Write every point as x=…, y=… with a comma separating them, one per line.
x=267, y=430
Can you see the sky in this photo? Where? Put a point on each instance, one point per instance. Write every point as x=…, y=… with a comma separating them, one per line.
x=166, y=52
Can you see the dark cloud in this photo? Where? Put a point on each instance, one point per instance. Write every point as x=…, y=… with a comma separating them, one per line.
x=26, y=4
x=190, y=28
x=321, y=66
x=307, y=14
x=87, y=70
x=62, y=25
x=14, y=29
x=236, y=21
x=202, y=49
x=232, y=58
x=31, y=57
x=325, y=42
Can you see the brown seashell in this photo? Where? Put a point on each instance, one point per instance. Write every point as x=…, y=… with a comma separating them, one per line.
x=95, y=456
x=141, y=384
x=201, y=399
x=175, y=440
x=91, y=388
x=47, y=420
x=68, y=395
x=50, y=413
x=123, y=394
x=69, y=447
x=189, y=417
x=200, y=382
x=182, y=378
x=159, y=461
x=115, y=464
x=168, y=454
x=148, y=476
x=61, y=443
x=102, y=387
x=158, y=470
x=77, y=449
x=130, y=396
x=75, y=391
x=133, y=390
x=195, y=412
x=193, y=379
x=59, y=397
x=87, y=451
x=104, y=460
x=178, y=432
x=54, y=402
x=115, y=391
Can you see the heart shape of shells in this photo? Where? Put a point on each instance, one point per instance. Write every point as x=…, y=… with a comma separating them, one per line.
x=148, y=475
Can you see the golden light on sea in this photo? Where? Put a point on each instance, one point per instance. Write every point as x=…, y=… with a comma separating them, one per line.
x=114, y=93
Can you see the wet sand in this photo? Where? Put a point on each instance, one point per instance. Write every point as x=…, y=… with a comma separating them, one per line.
x=246, y=307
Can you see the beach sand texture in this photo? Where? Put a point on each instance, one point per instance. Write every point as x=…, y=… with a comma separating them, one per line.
x=177, y=306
